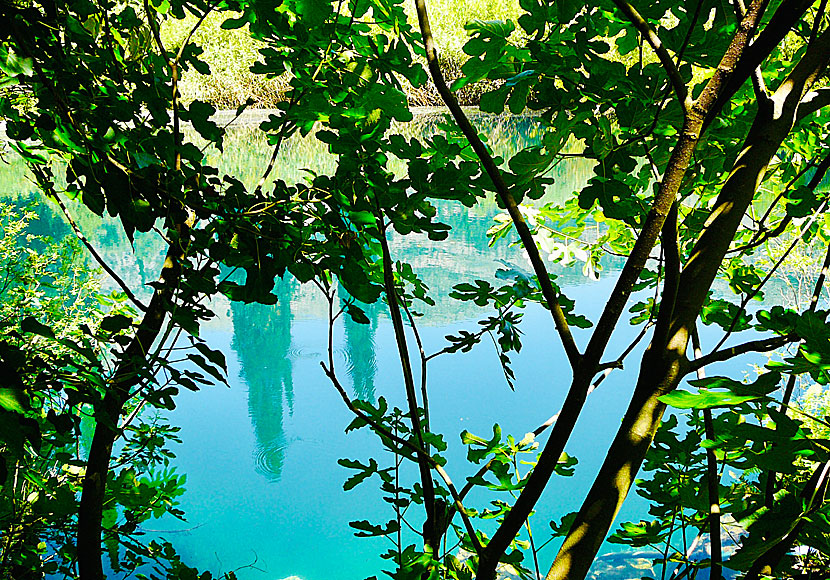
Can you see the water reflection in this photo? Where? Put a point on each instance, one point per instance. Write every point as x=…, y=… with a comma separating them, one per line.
x=262, y=335
x=262, y=341
x=359, y=339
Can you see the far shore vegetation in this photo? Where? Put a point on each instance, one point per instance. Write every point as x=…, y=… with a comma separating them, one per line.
x=230, y=56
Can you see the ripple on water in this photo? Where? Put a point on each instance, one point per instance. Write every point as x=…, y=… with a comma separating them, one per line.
x=301, y=352
x=269, y=459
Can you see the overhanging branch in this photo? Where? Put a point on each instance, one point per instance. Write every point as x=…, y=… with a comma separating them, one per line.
x=494, y=173
x=656, y=45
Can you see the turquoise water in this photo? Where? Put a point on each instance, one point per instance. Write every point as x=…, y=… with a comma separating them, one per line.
x=264, y=491
x=264, y=487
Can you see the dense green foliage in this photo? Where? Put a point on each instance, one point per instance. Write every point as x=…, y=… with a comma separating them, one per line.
x=706, y=123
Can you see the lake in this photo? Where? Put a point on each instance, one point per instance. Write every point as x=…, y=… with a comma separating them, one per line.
x=264, y=491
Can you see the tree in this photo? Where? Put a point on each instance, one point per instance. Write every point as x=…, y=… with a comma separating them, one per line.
x=693, y=113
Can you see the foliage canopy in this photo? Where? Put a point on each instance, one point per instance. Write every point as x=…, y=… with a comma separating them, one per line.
x=706, y=122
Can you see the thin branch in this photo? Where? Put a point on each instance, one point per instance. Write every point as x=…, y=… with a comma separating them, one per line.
x=278, y=145
x=424, y=361
x=712, y=477
x=617, y=364
x=817, y=20
x=193, y=30
x=154, y=29
x=750, y=295
x=425, y=457
x=502, y=189
x=657, y=46
x=687, y=38
x=788, y=390
x=763, y=234
x=433, y=539
x=761, y=345
x=101, y=262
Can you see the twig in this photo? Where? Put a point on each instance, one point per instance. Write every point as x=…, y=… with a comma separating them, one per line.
x=101, y=262
x=423, y=363
x=750, y=295
x=459, y=506
x=277, y=145
x=763, y=234
x=788, y=390
x=761, y=345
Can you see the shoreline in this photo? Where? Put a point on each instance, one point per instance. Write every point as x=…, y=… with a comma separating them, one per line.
x=252, y=117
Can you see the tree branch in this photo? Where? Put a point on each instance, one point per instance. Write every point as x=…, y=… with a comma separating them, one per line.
x=431, y=534
x=785, y=17
x=494, y=173
x=671, y=251
x=761, y=345
x=712, y=478
x=108, y=411
x=101, y=262
x=750, y=295
x=788, y=390
x=423, y=455
x=764, y=234
x=812, y=497
x=817, y=20
x=659, y=373
x=657, y=46
x=424, y=361
x=812, y=102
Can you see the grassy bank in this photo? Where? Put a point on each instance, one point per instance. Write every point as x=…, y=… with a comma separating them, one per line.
x=230, y=53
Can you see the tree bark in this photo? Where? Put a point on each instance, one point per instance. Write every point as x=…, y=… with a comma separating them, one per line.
x=664, y=365
x=108, y=414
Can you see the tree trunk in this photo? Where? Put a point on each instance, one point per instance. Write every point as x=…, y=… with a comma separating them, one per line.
x=108, y=414
x=619, y=468
x=662, y=370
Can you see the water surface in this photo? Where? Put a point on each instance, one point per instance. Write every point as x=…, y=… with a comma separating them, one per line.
x=264, y=491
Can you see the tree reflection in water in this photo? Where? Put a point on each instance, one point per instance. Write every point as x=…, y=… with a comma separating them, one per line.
x=262, y=340
x=360, y=350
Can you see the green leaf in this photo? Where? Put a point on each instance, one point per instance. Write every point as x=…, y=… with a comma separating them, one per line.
x=13, y=400
x=116, y=323
x=364, y=471
x=31, y=325
x=368, y=530
x=704, y=399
